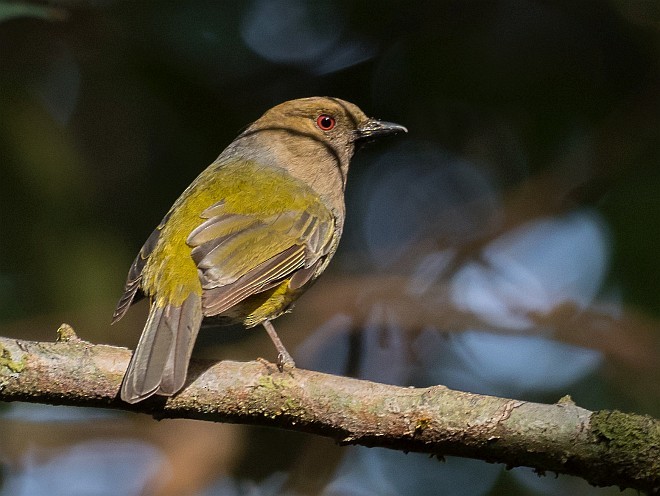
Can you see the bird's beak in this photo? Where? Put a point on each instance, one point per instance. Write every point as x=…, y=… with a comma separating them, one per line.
x=375, y=129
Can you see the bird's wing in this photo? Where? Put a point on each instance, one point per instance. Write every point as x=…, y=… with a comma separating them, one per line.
x=238, y=255
x=132, y=291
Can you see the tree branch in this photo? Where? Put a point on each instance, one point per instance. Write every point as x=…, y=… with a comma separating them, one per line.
x=605, y=448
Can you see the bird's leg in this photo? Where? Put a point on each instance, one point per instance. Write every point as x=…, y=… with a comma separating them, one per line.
x=283, y=357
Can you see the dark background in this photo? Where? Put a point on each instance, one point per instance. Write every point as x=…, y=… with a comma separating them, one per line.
x=506, y=245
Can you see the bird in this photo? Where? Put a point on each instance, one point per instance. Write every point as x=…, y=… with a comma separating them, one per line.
x=249, y=235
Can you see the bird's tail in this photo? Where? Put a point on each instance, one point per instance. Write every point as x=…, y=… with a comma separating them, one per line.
x=160, y=362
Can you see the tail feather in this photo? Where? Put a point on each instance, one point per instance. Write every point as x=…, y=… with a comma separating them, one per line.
x=160, y=362
x=176, y=368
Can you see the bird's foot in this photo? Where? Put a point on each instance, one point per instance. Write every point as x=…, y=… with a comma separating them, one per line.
x=284, y=360
x=283, y=356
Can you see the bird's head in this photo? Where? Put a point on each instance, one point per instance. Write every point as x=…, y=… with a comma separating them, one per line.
x=313, y=138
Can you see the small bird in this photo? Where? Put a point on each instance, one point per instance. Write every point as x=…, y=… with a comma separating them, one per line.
x=246, y=238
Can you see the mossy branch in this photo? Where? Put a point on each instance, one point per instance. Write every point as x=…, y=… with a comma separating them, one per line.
x=605, y=448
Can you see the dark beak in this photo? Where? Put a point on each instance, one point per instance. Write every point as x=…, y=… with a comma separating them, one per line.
x=373, y=129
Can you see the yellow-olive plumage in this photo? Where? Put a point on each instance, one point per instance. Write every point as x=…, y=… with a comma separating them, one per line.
x=247, y=237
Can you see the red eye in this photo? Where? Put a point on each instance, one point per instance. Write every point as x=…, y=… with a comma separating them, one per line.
x=325, y=122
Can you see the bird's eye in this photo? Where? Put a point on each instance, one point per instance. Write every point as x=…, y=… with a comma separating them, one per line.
x=325, y=122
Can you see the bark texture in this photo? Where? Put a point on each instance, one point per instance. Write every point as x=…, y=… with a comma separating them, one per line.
x=604, y=447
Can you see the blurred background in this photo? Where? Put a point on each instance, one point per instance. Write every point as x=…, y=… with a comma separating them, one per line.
x=507, y=245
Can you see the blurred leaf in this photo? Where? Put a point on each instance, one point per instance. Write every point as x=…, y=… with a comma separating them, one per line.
x=13, y=10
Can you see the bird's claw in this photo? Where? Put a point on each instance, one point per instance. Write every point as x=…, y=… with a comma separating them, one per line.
x=284, y=359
